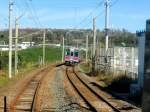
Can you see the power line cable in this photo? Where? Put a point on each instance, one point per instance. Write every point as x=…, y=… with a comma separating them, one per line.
x=35, y=13
x=91, y=13
x=31, y=15
x=113, y=3
x=102, y=12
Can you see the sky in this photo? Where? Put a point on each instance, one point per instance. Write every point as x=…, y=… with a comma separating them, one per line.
x=127, y=14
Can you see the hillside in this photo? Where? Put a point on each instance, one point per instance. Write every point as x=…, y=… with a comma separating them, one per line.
x=72, y=37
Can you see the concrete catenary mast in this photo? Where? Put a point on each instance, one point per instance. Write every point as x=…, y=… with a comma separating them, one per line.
x=106, y=27
x=10, y=38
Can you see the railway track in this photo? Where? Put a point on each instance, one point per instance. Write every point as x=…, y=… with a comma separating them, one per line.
x=95, y=98
x=26, y=99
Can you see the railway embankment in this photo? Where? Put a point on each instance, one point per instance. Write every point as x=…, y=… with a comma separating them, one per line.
x=116, y=84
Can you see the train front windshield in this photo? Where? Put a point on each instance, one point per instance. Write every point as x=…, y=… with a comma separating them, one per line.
x=76, y=54
x=67, y=52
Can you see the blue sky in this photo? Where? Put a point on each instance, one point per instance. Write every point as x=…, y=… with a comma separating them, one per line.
x=128, y=14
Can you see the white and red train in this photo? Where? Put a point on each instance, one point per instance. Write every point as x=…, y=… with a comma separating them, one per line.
x=72, y=55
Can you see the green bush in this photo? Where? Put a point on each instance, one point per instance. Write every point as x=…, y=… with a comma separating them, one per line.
x=4, y=60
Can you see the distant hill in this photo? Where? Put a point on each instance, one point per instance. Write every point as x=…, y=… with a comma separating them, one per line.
x=72, y=37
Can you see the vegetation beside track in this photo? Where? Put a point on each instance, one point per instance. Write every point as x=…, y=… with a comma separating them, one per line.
x=111, y=80
x=4, y=80
x=31, y=56
x=28, y=60
x=114, y=83
x=84, y=67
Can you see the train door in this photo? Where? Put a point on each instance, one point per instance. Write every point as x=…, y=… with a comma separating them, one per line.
x=71, y=55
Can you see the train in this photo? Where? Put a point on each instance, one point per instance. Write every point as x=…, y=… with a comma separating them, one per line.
x=72, y=56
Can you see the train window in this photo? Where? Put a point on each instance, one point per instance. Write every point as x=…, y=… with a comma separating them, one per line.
x=67, y=52
x=76, y=53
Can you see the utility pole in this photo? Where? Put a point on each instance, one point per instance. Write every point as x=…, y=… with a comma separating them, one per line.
x=106, y=27
x=16, y=43
x=87, y=42
x=44, y=47
x=10, y=38
x=94, y=45
x=16, y=46
x=94, y=37
x=63, y=48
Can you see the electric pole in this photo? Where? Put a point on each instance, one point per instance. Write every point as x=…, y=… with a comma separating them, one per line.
x=94, y=37
x=44, y=47
x=106, y=27
x=16, y=43
x=10, y=38
x=16, y=46
x=87, y=42
x=63, y=48
x=94, y=45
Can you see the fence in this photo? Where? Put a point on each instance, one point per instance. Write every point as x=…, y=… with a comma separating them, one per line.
x=120, y=59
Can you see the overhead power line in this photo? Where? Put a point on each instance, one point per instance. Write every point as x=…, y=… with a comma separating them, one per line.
x=91, y=13
x=102, y=12
x=99, y=15
x=35, y=14
x=32, y=14
x=113, y=3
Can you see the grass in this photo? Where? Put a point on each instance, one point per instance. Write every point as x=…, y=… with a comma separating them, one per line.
x=33, y=54
x=28, y=60
x=3, y=81
x=84, y=67
x=118, y=83
x=114, y=82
